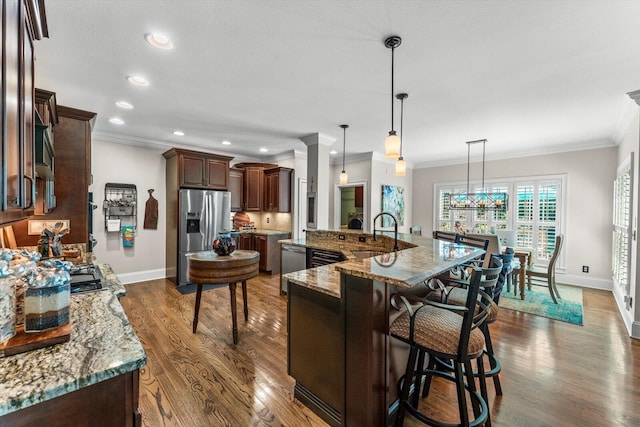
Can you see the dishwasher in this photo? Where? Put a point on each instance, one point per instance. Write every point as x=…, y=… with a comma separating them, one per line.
x=294, y=258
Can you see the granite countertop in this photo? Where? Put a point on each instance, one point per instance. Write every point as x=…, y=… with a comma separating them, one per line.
x=103, y=345
x=112, y=282
x=422, y=258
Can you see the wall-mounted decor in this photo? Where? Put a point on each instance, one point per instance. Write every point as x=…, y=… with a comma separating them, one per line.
x=393, y=202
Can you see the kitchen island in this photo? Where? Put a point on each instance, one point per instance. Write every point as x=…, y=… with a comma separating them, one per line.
x=345, y=365
x=90, y=380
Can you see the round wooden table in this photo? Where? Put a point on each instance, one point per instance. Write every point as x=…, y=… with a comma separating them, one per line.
x=207, y=268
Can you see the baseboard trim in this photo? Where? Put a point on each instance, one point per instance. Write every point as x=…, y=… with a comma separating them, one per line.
x=585, y=282
x=142, y=276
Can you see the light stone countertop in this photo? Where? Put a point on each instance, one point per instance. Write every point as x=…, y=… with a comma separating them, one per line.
x=103, y=345
x=422, y=259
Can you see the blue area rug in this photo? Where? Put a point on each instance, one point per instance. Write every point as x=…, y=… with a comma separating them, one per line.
x=538, y=301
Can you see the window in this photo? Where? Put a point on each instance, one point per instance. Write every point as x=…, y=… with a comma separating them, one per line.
x=621, y=225
x=534, y=211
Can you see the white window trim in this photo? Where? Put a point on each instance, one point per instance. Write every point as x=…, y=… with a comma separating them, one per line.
x=561, y=265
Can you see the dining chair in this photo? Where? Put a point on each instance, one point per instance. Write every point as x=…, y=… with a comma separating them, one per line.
x=449, y=332
x=475, y=241
x=547, y=275
x=447, y=236
x=492, y=282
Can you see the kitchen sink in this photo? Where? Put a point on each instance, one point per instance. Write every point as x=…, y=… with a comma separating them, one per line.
x=367, y=253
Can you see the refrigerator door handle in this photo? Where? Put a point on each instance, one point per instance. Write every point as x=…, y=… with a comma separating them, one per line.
x=207, y=222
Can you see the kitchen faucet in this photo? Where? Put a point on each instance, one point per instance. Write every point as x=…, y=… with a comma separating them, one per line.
x=395, y=229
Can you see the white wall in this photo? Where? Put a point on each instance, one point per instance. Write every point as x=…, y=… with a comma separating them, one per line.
x=383, y=172
x=145, y=168
x=590, y=175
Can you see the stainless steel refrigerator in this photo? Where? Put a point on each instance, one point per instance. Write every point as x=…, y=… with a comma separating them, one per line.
x=203, y=213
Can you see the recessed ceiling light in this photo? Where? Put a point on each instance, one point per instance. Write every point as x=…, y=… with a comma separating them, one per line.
x=158, y=40
x=138, y=80
x=116, y=121
x=124, y=104
x=263, y=150
x=226, y=143
x=333, y=152
x=178, y=133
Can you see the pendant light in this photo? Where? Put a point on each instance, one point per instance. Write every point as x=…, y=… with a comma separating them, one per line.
x=482, y=200
x=344, y=178
x=392, y=143
x=401, y=165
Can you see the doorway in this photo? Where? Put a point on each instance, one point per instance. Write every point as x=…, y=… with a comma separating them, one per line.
x=351, y=202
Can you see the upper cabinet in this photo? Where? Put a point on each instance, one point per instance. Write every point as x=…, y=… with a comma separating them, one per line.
x=253, y=187
x=22, y=22
x=236, y=182
x=277, y=189
x=266, y=187
x=198, y=170
x=46, y=116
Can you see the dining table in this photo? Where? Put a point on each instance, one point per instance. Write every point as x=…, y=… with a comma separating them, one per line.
x=525, y=256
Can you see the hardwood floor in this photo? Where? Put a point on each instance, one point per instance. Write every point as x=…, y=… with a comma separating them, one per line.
x=554, y=373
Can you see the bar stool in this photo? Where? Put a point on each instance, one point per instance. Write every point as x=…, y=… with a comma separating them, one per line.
x=449, y=332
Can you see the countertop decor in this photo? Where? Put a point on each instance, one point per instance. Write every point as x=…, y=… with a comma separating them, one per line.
x=103, y=345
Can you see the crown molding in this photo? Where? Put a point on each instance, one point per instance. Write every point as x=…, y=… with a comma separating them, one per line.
x=164, y=145
x=318, y=138
x=290, y=154
x=625, y=119
x=581, y=146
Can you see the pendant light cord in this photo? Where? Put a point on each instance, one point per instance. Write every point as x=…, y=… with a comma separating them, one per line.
x=392, y=60
x=468, y=163
x=401, y=121
x=344, y=139
x=484, y=142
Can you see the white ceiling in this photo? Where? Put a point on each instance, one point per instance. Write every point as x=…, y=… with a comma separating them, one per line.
x=530, y=76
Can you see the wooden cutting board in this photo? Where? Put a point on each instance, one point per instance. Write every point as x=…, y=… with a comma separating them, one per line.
x=240, y=219
x=23, y=342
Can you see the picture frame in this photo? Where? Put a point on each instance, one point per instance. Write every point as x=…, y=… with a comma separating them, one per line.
x=393, y=203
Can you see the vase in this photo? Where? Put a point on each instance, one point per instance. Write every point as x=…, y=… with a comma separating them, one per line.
x=224, y=244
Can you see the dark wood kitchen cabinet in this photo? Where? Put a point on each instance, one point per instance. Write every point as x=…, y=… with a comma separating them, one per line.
x=253, y=188
x=46, y=120
x=261, y=243
x=112, y=402
x=246, y=241
x=23, y=21
x=277, y=189
x=200, y=170
x=72, y=176
x=236, y=181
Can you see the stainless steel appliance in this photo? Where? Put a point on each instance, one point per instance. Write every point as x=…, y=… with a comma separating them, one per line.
x=294, y=258
x=202, y=214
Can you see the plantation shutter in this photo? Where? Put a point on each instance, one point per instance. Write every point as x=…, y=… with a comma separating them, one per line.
x=622, y=203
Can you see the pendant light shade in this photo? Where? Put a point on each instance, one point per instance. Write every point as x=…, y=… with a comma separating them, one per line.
x=344, y=178
x=392, y=143
x=401, y=165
